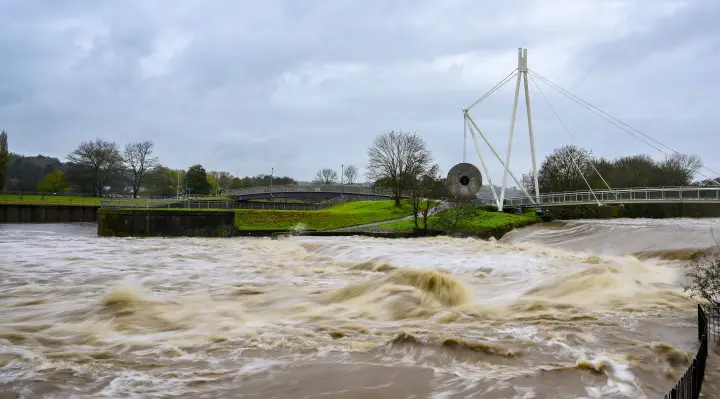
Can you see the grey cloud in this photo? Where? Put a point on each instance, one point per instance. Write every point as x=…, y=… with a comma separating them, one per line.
x=360, y=68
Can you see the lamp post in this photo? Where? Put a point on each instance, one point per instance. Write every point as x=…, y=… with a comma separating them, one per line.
x=342, y=178
x=272, y=172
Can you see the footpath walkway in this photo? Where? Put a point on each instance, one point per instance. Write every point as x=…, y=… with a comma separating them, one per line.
x=711, y=382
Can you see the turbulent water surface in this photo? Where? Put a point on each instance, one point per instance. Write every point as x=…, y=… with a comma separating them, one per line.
x=588, y=309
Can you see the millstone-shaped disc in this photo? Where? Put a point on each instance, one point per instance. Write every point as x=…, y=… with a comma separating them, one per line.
x=464, y=180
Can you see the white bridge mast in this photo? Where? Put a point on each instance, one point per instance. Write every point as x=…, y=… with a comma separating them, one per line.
x=472, y=127
x=522, y=75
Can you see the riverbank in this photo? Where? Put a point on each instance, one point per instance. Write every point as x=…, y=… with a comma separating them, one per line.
x=243, y=222
x=368, y=218
x=347, y=214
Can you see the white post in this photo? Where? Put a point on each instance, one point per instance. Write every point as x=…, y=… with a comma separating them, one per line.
x=524, y=71
x=512, y=128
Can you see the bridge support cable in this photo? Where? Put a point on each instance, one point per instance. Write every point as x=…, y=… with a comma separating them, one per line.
x=482, y=162
x=618, y=123
x=572, y=138
x=495, y=88
x=473, y=124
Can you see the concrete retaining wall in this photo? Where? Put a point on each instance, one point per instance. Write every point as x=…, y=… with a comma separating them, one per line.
x=165, y=223
x=47, y=213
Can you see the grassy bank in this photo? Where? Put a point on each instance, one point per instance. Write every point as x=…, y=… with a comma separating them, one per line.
x=36, y=199
x=478, y=221
x=17, y=199
x=342, y=215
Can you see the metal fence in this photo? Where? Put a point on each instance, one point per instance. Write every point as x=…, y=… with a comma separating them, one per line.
x=690, y=384
x=277, y=206
x=713, y=317
x=166, y=204
x=330, y=202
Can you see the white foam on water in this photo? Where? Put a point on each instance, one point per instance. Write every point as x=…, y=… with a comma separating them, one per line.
x=194, y=281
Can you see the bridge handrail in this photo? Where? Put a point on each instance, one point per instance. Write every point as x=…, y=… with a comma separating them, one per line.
x=621, y=194
x=332, y=188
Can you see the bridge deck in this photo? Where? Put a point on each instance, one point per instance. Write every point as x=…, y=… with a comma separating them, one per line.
x=641, y=195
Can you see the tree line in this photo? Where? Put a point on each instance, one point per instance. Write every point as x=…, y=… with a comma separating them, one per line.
x=100, y=167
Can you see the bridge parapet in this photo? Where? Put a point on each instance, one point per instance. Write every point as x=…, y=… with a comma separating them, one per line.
x=314, y=188
x=638, y=195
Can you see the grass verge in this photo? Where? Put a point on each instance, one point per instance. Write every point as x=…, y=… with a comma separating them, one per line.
x=342, y=215
x=17, y=199
x=480, y=220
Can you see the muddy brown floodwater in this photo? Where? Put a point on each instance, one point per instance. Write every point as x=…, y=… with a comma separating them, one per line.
x=586, y=310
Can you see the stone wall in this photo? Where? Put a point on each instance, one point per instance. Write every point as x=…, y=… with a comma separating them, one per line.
x=47, y=213
x=165, y=223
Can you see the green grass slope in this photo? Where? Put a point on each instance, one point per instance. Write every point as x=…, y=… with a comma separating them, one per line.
x=342, y=215
x=481, y=220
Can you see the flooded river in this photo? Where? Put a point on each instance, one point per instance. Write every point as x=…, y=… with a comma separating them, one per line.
x=585, y=310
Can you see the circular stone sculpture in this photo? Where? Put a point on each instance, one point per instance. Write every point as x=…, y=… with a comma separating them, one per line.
x=464, y=181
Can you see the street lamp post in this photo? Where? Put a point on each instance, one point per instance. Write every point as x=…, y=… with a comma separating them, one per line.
x=272, y=172
x=342, y=178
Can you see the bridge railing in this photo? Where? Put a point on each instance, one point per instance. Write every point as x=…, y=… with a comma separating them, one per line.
x=315, y=188
x=623, y=195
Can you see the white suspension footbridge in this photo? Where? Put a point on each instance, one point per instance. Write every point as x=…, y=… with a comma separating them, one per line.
x=592, y=196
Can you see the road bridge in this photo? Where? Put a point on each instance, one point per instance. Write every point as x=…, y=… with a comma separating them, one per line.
x=356, y=192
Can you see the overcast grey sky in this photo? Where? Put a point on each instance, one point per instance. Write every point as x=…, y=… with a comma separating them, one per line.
x=300, y=85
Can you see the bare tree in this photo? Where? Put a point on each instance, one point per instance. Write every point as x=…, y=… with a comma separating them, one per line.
x=138, y=160
x=420, y=188
x=351, y=174
x=681, y=168
x=4, y=158
x=101, y=158
x=398, y=157
x=703, y=278
x=563, y=170
x=326, y=176
x=223, y=180
x=528, y=182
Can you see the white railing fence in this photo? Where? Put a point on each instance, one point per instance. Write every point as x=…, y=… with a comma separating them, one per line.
x=645, y=195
